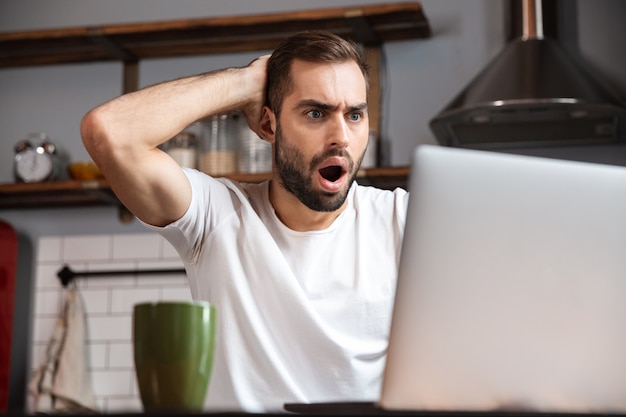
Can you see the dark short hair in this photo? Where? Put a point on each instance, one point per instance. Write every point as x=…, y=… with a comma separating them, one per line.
x=311, y=46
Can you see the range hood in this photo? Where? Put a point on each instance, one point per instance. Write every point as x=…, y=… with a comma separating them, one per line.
x=533, y=94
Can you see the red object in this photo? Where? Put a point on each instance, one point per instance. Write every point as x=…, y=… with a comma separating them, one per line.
x=8, y=267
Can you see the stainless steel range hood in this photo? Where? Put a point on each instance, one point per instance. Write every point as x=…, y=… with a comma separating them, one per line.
x=532, y=94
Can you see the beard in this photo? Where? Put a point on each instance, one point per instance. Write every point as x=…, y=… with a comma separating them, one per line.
x=296, y=175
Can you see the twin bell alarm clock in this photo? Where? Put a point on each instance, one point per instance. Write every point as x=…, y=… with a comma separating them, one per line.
x=36, y=159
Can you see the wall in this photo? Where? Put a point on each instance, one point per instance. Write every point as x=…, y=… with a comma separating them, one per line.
x=108, y=302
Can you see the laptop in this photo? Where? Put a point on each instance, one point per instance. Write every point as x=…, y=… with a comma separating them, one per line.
x=511, y=293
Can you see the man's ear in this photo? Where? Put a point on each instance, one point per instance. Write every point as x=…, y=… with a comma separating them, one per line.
x=267, y=127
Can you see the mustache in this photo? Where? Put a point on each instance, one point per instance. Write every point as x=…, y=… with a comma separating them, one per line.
x=318, y=159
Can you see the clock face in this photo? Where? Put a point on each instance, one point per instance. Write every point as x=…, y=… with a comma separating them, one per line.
x=33, y=165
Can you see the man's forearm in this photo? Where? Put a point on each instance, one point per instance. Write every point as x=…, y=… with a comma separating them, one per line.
x=151, y=116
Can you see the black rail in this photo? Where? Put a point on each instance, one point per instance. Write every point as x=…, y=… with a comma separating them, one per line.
x=66, y=274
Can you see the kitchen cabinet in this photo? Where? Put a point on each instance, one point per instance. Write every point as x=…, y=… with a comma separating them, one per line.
x=371, y=25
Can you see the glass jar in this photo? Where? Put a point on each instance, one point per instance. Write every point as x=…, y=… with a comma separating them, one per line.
x=254, y=154
x=218, y=148
x=182, y=148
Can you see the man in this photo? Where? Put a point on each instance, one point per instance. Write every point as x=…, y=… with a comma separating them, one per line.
x=302, y=268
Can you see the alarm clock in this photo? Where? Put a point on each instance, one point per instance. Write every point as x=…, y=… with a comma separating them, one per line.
x=36, y=162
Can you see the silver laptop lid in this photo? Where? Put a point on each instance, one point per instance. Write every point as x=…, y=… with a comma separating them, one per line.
x=512, y=286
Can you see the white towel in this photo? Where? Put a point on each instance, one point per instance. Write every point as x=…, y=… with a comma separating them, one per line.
x=62, y=383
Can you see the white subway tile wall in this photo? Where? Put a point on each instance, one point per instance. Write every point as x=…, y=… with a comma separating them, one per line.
x=108, y=303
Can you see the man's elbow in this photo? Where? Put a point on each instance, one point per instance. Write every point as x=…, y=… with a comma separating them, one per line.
x=93, y=131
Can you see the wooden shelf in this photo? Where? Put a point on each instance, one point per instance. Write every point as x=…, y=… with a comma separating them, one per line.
x=98, y=193
x=370, y=25
x=56, y=194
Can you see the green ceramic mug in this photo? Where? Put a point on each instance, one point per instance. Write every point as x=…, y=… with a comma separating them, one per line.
x=174, y=344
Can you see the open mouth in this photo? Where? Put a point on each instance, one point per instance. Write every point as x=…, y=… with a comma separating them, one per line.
x=331, y=173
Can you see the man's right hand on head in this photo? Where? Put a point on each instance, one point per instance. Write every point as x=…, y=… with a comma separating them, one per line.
x=253, y=110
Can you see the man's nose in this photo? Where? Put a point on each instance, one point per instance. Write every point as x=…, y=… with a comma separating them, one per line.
x=339, y=133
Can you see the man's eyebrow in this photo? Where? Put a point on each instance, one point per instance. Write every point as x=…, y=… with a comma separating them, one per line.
x=327, y=106
x=358, y=107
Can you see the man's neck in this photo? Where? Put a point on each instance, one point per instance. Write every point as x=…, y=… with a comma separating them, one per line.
x=295, y=215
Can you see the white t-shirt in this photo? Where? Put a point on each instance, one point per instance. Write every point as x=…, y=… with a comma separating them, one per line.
x=303, y=316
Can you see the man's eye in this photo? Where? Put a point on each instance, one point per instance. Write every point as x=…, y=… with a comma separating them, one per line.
x=314, y=114
x=355, y=117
